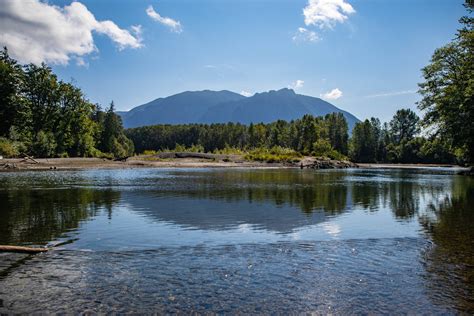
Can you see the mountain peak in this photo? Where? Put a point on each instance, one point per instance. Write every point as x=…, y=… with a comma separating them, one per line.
x=284, y=91
x=223, y=106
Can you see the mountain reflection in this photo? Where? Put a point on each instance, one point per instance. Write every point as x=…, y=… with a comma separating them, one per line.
x=43, y=207
x=281, y=200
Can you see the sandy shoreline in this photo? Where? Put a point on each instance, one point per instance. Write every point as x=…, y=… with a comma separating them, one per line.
x=132, y=162
x=19, y=164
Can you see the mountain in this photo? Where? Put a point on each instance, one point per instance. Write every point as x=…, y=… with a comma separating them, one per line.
x=226, y=106
x=181, y=108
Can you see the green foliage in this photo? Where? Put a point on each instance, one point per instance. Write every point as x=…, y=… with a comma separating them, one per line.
x=404, y=126
x=112, y=138
x=437, y=150
x=192, y=149
x=47, y=117
x=44, y=144
x=229, y=151
x=338, y=132
x=13, y=109
x=274, y=154
x=364, y=141
x=323, y=148
x=8, y=148
x=149, y=152
x=231, y=138
x=448, y=90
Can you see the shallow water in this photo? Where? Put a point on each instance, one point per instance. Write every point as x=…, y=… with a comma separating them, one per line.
x=248, y=241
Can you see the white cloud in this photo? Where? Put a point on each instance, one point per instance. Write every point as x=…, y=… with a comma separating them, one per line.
x=326, y=13
x=297, y=84
x=391, y=94
x=38, y=32
x=246, y=93
x=174, y=25
x=334, y=94
x=305, y=35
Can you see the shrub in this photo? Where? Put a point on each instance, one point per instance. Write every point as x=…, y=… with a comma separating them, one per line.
x=322, y=148
x=8, y=148
x=192, y=149
x=274, y=154
x=149, y=152
x=229, y=151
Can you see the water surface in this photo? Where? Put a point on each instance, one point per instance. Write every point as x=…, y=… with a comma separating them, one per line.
x=248, y=241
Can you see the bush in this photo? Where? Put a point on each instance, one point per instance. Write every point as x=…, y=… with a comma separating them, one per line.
x=8, y=148
x=192, y=149
x=322, y=148
x=274, y=154
x=149, y=152
x=229, y=151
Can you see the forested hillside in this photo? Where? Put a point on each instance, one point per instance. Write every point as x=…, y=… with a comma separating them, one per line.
x=398, y=141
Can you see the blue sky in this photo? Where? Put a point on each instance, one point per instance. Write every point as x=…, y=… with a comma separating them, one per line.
x=372, y=57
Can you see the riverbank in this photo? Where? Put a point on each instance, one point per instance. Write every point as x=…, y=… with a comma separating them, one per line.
x=409, y=166
x=196, y=160
x=166, y=160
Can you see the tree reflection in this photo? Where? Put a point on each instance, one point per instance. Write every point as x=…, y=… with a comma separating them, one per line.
x=450, y=262
x=38, y=216
x=310, y=191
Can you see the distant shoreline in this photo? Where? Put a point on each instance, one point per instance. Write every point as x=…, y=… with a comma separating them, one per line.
x=42, y=164
x=409, y=166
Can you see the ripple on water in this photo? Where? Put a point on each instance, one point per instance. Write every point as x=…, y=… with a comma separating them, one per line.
x=352, y=276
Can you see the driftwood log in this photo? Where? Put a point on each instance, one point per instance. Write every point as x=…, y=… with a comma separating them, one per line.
x=26, y=158
x=20, y=249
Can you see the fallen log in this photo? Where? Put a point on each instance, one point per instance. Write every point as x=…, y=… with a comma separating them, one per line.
x=21, y=249
x=122, y=158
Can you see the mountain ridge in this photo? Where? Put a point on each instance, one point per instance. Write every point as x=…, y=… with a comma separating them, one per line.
x=224, y=106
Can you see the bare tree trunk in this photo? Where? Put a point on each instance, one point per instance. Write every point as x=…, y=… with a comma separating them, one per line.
x=20, y=249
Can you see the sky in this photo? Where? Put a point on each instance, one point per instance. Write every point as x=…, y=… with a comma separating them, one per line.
x=364, y=56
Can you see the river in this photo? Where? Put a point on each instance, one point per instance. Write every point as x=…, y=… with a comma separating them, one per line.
x=238, y=241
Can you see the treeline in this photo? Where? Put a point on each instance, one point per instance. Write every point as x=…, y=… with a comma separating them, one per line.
x=322, y=136
x=399, y=141
x=46, y=117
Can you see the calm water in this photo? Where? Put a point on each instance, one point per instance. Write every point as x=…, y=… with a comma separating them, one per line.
x=248, y=241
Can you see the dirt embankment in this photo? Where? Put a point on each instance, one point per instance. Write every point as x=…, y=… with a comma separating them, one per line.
x=164, y=160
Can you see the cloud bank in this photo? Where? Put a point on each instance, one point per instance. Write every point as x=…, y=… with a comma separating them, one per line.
x=173, y=25
x=334, y=94
x=326, y=13
x=38, y=32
